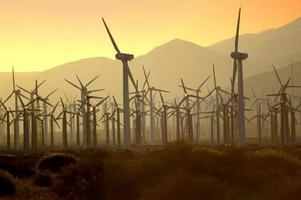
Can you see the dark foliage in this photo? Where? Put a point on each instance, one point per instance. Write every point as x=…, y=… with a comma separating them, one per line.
x=21, y=165
x=183, y=172
x=55, y=162
x=7, y=184
x=43, y=179
x=85, y=180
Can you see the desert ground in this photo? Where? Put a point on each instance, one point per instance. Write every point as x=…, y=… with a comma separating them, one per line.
x=177, y=171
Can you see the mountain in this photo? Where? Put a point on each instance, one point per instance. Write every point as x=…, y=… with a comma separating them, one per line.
x=267, y=82
x=168, y=63
x=279, y=46
x=178, y=59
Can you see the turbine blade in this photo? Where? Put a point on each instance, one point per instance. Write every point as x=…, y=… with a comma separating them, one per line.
x=237, y=31
x=116, y=104
x=131, y=76
x=8, y=98
x=146, y=77
x=23, y=89
x=99, y=103
x=20, y=99
x=14, y=83
x=80, y=82
x=204, y=82
x=72, y=84
x=146, y=81
x=162, y=100
x=183, y=86
x=110, y=35
x=96, y=77
x=214, y=78
x=50, y=94
x=254, y=94
x=62, y=103
x=54, y=108
x=233, y=76
x=277, y=75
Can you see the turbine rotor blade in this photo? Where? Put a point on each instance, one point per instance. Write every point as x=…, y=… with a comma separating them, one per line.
x=237, y=31
x=110, y=35
x=14, y=83
x=183, y=86
x=72, y=84
x=96, y=77
x=204, y=82
x=233, y=76
x=214, y=78
x=277, y=75
x=126, y=66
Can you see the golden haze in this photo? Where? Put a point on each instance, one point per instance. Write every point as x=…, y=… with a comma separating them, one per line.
x=36, y=35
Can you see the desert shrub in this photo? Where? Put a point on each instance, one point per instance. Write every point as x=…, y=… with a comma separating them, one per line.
x=277, y=159
x=180, y=185
x=55, y=162
x=21, y=165
x=182, y=171
x=7, y=184
x=84, y=180
x=43, y=179
x=9, y=163
x=297, y=153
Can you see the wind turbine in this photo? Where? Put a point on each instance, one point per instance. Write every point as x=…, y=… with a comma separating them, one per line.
x=285, y=104
x=83, y=88
x=6, y=118
x=16, y=122
x=151, y=91
x=259, y=115
x=238, y=57
x=124, y=58
x=198, y=106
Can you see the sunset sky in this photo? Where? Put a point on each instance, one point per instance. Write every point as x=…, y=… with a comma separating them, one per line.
x=39, y=34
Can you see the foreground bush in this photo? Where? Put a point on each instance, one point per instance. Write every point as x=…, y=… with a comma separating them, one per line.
x=7, y=184
x=183, y=172
x=43, y=179
x=84, y=180
x=181, y=184
x=55, y=162
x=22, y=165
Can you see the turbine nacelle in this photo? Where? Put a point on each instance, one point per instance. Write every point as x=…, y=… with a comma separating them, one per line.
x=239, y=56
x=124, y=56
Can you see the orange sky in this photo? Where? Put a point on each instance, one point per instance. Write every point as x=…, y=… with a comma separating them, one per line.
x=39, y=34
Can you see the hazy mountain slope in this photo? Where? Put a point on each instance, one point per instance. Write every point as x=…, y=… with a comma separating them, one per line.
x=278, y=46
x=168, y=63
x=267, y=83
x=179, y=59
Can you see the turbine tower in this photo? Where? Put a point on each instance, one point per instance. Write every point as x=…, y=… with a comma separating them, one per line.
x=238, y=57
x=124, y=58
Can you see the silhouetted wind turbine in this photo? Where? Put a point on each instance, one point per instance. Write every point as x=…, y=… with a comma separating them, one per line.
x=124, y=58
x=237, y=67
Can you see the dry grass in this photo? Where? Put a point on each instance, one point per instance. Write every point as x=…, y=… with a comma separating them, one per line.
x=175, y=172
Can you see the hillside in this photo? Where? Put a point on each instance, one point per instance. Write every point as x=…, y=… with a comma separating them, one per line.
x=279, y=46
x=180, y=59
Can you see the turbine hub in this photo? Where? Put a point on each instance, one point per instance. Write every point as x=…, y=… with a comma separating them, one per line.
x=239, y=56
x=124, y=56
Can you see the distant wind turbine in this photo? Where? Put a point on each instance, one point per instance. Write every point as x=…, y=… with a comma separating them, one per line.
x=238, y=57
x=124, y=58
